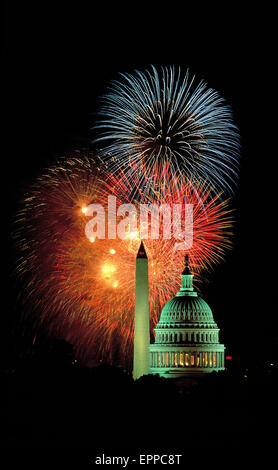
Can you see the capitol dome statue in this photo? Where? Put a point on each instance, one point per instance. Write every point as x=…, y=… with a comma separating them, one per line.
x=186, y=336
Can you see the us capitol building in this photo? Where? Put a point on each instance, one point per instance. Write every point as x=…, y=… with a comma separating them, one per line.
x=186, y=336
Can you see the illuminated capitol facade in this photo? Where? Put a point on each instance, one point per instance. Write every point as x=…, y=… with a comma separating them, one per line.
x=186, y=336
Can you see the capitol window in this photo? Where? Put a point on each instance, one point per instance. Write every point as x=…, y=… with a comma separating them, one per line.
x=210, y=359
x=170, y=358
x=181, y=359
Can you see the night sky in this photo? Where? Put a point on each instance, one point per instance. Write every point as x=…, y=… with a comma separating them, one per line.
x=57, y=62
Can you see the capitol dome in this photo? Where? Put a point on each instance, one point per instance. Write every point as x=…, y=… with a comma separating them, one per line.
x=186, y=336
x=182, y=309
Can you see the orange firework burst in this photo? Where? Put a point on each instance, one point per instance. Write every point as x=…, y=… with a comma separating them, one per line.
x=83, y=288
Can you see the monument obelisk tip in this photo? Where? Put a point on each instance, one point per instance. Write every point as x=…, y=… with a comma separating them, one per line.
x=142, y=252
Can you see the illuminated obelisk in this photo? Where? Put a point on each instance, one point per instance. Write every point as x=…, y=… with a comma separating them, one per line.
x=142, y=316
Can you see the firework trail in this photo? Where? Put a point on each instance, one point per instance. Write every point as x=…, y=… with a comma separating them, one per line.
x=164, y=116
x=84, y=290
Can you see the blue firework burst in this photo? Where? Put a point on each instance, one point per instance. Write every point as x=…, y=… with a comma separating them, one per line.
x=159, y=116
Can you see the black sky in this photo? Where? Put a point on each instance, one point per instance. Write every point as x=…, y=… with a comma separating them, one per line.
x=57, y=60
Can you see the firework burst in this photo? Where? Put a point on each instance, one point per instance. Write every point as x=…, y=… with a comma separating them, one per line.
x=164, y=116
x=84, y=289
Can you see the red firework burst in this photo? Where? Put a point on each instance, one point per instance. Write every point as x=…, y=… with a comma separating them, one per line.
x=84, y=291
